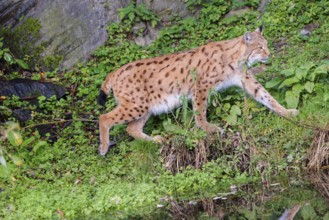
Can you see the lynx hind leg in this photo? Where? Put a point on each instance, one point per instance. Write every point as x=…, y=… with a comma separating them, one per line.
x=200, y=108
x=121, y=114
x=135, y=128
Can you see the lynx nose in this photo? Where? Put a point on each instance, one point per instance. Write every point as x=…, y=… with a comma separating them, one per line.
x=265, y=59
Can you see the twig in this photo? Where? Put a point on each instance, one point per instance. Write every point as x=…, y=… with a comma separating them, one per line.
x=57, y=122
x=304, y=125
x=3, y=98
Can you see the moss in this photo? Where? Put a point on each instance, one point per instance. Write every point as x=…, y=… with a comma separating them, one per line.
x=23, y=42
x=52, y=62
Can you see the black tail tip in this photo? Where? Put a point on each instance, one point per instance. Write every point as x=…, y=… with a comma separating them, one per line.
x=102, y=98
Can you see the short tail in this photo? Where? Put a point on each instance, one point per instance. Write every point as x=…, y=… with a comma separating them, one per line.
x=102, y=98
x=105, y=90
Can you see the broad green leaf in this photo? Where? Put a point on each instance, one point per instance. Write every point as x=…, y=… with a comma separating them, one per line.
x=298, y=88
x=292, y=99
x=4, y=109
x=27, y=141
x=4, y=171
x=12, y=125
x=291, y=7
x=121, y=15
x=131, y=16
x=214, y=102
x=307, y=66
x=308, y=212
x=15, y=138
x=326, y=97
x=231, y=119
x=169, y=127
x=322, y=69
x=312, y=76
x=309, y=86
x=17, y=161
x=153, y=23
x=301, y=73
x=38, y=145
x=2, y=160
x=22, y=64
x=226, y=106
x=219, y=110
x=273, y=82
x=8, y=57
x=235, y=110
x=288, y=72
x=289, y=82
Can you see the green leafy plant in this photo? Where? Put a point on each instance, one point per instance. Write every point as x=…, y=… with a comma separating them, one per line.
x=132, y=14
x=21, y=41
x=25, y=47
x=300, y=81
x=10, y=132
x=9, y=58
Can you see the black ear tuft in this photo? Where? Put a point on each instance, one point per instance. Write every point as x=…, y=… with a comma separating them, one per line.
x=260, y=29
x=102, y=98
x=247, y=37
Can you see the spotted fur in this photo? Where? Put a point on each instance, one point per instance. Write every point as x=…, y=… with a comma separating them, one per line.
x=156, y=85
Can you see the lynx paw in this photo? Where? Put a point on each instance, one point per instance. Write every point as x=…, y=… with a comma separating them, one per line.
x=292, y=113
x=103, y=150
x=211, y=128
x=158, y=139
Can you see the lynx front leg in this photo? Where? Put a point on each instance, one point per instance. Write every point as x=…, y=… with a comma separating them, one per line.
x=258, y=92
x=200, y=108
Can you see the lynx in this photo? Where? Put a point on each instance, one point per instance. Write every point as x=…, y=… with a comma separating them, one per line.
x=155, y=85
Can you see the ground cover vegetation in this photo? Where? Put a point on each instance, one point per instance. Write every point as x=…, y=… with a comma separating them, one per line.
x=255, y=170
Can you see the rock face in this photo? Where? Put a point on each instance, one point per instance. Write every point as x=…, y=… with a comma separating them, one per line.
x=73, y=29
x=29, y=89
x=165, y=10
x=12, y=10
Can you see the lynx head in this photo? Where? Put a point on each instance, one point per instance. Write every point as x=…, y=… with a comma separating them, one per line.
x=257, y=49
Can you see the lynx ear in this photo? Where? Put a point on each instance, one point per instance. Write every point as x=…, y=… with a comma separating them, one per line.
x=247, y=37
x=260, y=29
